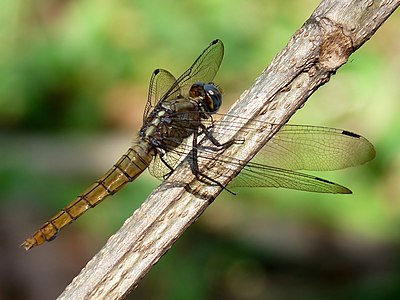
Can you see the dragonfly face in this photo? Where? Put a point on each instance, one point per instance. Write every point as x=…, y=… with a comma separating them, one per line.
x=177, y=117
x=208, y=94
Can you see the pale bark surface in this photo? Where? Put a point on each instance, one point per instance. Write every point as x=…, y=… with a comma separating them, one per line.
x=333, y=32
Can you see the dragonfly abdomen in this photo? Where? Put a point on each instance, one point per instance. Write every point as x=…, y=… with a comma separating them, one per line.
x=125, y=170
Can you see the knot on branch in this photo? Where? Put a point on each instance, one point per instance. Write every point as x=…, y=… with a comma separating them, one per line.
x=335, y=50
x=336, y=46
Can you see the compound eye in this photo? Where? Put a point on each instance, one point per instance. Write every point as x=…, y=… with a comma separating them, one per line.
x=213, y=98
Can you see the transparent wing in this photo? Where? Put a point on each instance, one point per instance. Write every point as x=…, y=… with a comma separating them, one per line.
x=294, y=147
x=160, y=167
x=204, y=68
x=164, y=86
x=260, y=175
x=160, y=83
x=254, y=175
x=305, y=147
x=302, y=147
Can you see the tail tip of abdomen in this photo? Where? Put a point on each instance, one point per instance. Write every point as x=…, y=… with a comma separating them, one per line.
x=29, y=243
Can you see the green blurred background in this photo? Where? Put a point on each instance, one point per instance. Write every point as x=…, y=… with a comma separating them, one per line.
x=73, y=85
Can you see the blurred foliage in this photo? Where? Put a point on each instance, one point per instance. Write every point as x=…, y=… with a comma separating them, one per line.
x=74, y=75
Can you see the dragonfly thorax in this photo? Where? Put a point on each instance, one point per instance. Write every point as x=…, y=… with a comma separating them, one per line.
x=171, y=122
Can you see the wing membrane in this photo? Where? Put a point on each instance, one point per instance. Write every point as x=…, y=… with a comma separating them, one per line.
x=163, y=84
x=172, y=157
x=204, y=68
x=160, y=83
x=254, y=175
x=294, y=147
x=303, y=147
x=298, y=147
x=306, y=147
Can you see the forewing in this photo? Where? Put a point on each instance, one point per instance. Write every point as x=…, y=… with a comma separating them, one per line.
x=163, y=84
x=204, y=69
x=295, y=147
x=302, y=147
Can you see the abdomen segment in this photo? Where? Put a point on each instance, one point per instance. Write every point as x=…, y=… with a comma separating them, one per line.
x=128, y=167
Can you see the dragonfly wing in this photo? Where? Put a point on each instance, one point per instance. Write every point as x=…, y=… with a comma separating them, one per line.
x=163, y=162
x=302, y=147
x=160, y=83
x=204, y=68
x=254, y=175
x=158, y=168
x=163, y=84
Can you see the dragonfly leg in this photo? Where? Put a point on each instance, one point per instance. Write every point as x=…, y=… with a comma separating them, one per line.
x=219, y=146
x=171, y=169
x=195, y=167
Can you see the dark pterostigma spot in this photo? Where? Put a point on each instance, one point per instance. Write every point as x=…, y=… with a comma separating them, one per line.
x=352, y=134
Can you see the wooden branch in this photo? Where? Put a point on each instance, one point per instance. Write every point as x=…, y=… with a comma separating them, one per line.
x=324, y=43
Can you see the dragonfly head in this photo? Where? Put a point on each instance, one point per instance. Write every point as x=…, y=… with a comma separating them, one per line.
x=209, y=94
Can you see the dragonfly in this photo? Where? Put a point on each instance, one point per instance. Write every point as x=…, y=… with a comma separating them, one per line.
x=178, y=116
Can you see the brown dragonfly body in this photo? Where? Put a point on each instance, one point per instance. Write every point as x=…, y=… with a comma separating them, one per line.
x=178, y=113
x=172, y=114
x=128, y=167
